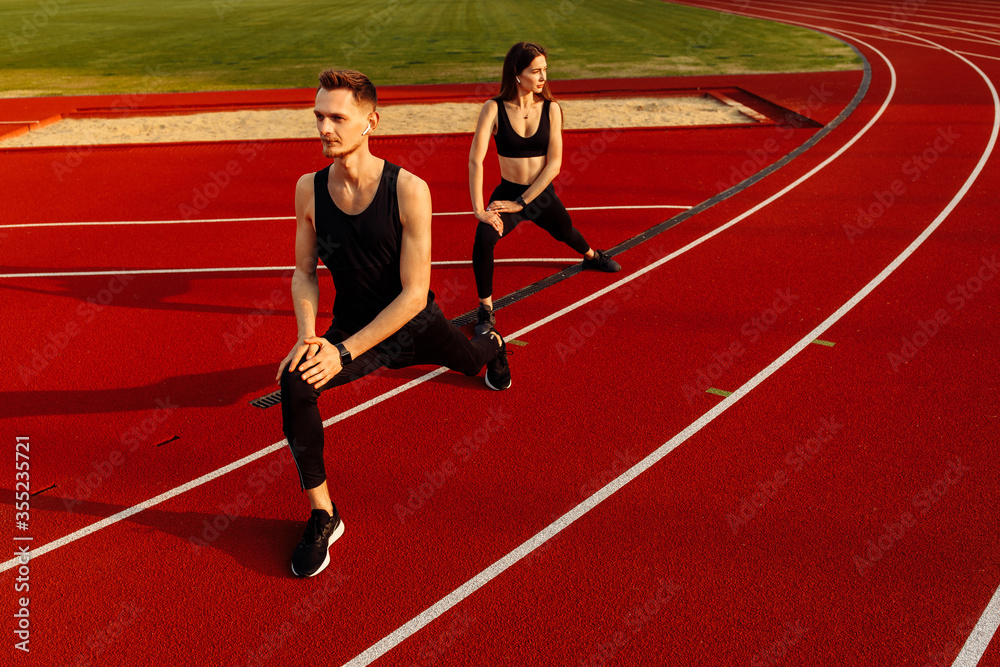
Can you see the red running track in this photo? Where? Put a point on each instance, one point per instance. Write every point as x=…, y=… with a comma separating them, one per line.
x=743, y=539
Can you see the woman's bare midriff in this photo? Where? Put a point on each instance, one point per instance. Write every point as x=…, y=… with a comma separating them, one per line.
x=522, y=170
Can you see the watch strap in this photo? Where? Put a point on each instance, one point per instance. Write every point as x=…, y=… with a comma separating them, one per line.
x=345, y=355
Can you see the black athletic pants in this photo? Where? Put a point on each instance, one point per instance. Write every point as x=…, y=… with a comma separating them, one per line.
x=545, y=210
x=428, y=339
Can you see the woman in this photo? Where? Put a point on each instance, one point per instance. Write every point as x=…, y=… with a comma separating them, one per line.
x=526, y=124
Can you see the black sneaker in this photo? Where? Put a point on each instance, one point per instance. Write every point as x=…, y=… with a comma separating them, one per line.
x=497, y=369
x=601, y=262
x=313, y=552
x=485, y=320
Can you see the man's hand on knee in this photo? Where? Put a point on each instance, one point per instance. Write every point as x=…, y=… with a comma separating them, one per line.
x=301, y=350
x=321, y=362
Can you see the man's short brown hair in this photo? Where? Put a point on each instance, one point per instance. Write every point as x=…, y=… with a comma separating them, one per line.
x=358, y=83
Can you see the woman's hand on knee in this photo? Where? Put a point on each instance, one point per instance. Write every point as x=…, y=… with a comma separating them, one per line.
x=491, y=217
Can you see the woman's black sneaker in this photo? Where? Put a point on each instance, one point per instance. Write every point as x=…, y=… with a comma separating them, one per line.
x=313, y=552
x=485, y=319
x=497, y=369
x=601, y=262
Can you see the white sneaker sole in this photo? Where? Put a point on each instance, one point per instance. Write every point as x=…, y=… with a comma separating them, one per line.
x=496, y=388
x=337, y=532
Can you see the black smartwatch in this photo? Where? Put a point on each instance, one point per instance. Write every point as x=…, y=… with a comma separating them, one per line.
x=345, y=355
x=520, y=200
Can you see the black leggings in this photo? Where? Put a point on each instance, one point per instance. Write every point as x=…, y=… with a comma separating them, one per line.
x=429, y=338
x=545, y=210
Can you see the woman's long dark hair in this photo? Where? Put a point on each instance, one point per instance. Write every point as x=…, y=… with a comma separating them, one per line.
x=516, y=61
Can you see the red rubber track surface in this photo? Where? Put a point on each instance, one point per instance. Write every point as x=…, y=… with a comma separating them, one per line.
x=841, y=511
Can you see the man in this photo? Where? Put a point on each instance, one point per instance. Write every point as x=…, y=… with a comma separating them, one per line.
x=370, y=222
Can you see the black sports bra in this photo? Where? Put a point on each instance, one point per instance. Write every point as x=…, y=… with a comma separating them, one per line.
x=511, y=144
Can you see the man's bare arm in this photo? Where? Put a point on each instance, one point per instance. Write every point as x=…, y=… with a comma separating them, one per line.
x=415, y=275
x=305, y=284
x=414, y=266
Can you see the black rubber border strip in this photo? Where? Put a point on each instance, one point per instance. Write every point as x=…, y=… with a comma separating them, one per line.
x=466, y=318
x=628, y=244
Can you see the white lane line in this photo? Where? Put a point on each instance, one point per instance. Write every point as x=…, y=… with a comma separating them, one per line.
x=115, y=223
x=124, y=514
x=989, y=622
x=417, y=623
x=852, y=33
x=870, y=12
x=241, y=269
x=977, y=55
x=982, y=634
x=208, y=477
x=144, y=222
x=913, y=34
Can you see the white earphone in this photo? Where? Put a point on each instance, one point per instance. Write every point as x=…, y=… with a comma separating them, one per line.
x=518, y=79
x=367, y=130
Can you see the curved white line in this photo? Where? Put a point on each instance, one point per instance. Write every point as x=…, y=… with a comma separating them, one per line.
x=135, y=509
x=387, y=643
x=115, y=223
x=241, y=269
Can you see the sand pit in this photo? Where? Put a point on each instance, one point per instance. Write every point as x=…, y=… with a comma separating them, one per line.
x=395, y=119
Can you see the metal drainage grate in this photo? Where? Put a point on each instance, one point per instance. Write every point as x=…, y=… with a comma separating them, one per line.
x=265, y=402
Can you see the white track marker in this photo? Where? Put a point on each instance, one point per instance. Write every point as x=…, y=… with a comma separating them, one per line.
x=417, y=623
x=116, y=223
x=240, y=269
x=135, y=509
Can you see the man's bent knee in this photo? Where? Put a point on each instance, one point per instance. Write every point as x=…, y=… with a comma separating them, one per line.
x=295, y=389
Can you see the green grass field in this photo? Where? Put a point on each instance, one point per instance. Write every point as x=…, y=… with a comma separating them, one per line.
x=63, y=47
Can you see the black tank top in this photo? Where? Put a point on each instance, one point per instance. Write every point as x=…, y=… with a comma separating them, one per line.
x=361, y=251
x=511, y=144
